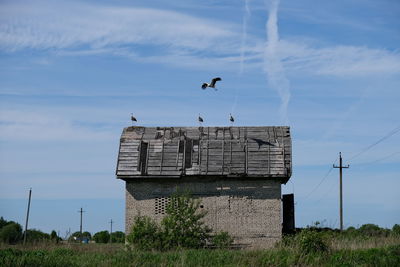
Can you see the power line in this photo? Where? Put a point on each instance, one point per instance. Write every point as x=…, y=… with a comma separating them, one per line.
x=380, y=159
x=393, y=132
x=322, y=180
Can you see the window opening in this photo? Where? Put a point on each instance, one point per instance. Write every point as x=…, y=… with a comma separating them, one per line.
x=143, y=157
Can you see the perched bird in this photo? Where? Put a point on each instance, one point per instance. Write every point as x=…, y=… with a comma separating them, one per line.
x=200, y=119
x=212, y=84
x=133, y=119
x=231, y=118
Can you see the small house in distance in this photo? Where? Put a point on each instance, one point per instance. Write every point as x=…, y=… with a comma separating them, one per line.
x=236, y=172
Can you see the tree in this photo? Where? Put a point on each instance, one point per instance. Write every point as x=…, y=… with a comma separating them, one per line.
x=145, y=234
x=3, y=222
x=76, y=236
x=33, y=235
x=118, y=237
x=101, y=237
x=11, y=233
x=396, y=230
x=87, y=235
x=222, y=240
x=183, y=225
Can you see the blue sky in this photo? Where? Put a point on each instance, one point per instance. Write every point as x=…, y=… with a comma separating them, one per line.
x=71, y=72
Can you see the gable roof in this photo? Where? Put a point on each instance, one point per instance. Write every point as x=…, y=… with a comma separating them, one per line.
x=160, y=152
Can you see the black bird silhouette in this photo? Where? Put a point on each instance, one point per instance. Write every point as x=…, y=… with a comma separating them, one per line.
x=200, y=119
x=231, y=118
x=133, y=118
x=212, y=84
x=262, y=142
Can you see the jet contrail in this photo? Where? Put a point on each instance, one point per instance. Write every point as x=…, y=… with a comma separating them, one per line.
x=246, y=17
x=272, y=64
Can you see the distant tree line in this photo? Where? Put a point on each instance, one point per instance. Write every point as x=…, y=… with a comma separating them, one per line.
x=11, y=233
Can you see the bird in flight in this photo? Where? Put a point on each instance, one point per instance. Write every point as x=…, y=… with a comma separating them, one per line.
x=231, y=118
x=212, y=84
x=200, y=120
x=133, y=119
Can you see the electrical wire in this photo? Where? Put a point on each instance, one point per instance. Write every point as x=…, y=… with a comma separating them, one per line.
x=393, y=132
x=322, y=180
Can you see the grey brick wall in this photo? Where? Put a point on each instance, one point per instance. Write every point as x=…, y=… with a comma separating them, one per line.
x=249, y=209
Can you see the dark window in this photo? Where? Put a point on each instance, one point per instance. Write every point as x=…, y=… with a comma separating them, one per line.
x=188, y=154
x=143, y=157
x=181, y=146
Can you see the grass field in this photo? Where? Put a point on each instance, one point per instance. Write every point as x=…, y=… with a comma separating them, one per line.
x=372, y=251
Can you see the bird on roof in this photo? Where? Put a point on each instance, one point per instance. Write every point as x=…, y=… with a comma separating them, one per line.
x=200, y=120
x=231, y=118
x=212, y=84
x=133, y=119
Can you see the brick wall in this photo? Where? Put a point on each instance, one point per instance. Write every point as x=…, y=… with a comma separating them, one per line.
x=249, y=209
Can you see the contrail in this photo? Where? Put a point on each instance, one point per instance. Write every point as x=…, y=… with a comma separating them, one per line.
x=246, y=17
x=272, y=64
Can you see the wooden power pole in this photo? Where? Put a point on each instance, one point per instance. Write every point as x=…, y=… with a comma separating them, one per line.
x=111, y=223
x=80, y=228
x=27, y=214
x=341, y=167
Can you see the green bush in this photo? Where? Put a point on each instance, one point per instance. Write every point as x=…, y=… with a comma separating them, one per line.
x=11, y=233
x=145, y=234
x=183, y=225
x=101, y=237
x=33, y=235
x=372, y=230
x=396, y=230
x=118, y=237
x=222, y=240
x=309, y=241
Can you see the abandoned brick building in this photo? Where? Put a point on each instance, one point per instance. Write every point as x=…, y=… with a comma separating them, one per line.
x=236, y=172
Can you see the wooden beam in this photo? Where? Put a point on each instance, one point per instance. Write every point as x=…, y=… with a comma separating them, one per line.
x=162, y=157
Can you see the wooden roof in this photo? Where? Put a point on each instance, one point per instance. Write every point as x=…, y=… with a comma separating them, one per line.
x=160, y=152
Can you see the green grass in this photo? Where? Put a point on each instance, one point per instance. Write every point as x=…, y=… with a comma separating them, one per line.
x=94, y=255
x=304, y=249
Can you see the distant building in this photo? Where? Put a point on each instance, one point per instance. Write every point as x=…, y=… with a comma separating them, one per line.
x=237, y=173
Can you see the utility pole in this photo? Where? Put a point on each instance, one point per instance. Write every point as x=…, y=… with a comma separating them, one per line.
x=341, y=167
x=27, y=214
x=111, y=223
x=80, y=229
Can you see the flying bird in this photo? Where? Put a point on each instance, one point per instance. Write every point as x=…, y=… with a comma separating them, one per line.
x=200, y=119
x=212, y=84
x=231, y=118
x=133, y=119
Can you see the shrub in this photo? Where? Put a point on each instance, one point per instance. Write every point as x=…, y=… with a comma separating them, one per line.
x=118, y=237
x=33, y=235
x=309, y=241
x=183, y=225
x=372, y=230
x=101, y=237
x=11, y=233
x=222, y=240
x=396, y=230
x=145, y=234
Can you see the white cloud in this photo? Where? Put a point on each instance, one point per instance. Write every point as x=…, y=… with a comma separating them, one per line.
x=71, y=25
x=339, y=60
x=171, y=37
